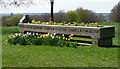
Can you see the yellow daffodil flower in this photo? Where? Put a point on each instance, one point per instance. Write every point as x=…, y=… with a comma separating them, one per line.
x=19, y=33
x=33, y=33
x=54, y=23
x=63, y=37
x=38, y=37
x=41, y=36
x=38, y=21
x=12, y=35
x=33, y=21
x=96, y=24
x=69, y=39
x=66, y=38
x=44, y=36
x=43, y=22
x=10, y=38
x=48, y=35
x=69, y=23
x=71, y=34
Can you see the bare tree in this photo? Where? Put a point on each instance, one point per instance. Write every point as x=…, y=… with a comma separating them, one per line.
x=60, y=16
x=18, y=3
x=115, y=14
x=101, y=18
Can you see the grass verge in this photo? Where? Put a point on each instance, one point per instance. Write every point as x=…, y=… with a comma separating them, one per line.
x=51, y=56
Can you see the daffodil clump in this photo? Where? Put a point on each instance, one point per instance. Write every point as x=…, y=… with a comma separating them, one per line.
x=64, y=23
x=40, y=39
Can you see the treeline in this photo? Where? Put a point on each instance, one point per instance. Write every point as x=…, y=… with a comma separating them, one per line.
x=79, y=15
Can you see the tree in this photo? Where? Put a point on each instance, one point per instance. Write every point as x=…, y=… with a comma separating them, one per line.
x=0, y=20
x=115, y=14
x=72, y=16
x=86, y=16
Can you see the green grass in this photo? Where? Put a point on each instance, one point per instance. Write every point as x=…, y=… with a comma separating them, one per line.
x=51, y=56
x=0, y=47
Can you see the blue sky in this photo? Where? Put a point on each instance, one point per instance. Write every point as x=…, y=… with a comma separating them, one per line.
x=43, y=6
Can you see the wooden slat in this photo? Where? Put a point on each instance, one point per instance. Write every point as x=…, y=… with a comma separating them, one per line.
x=86, y=44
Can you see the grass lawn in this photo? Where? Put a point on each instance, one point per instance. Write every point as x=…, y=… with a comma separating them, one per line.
x=51, y=56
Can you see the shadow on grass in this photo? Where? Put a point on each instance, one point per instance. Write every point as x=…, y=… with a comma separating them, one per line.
x=113, y=46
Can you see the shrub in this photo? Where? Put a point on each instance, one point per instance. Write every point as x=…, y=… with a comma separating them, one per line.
x=13, y=20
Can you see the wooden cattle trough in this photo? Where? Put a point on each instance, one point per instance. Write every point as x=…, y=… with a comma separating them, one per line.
x=101, y=36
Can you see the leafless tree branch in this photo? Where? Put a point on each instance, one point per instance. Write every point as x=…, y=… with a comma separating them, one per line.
x=18, y=3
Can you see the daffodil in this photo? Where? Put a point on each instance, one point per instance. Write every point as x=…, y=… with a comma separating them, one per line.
x=43, y=22
x=60, y=23
x=92, y=23
x=36, y=33
x=69, y=39
x=71, y=34
x=54, y=23
x=10, y=37
x=38, y=37
x=96, y=24
x=33, y=21
x=50, y=21
x=66, y=38
x=63, y=37
x=5, y=42
x=33, y=33
x=19, y=33
x=48, y=35
x=38, y=21
x=87, y=24
x=75, y=23
x=69, y=23
x=44, y=36
x=82, y=22
x=41, y=36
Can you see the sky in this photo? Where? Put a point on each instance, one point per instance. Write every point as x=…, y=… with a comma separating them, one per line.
x=43, y=6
